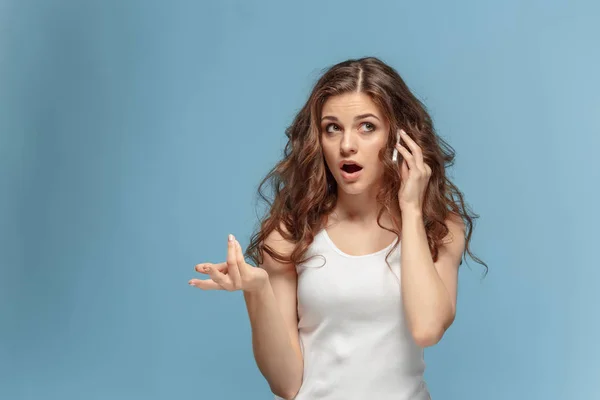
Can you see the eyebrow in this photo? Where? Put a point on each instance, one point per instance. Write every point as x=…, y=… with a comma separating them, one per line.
x=361, y=116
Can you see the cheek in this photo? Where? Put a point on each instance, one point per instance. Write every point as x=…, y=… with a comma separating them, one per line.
x=328, y=155
x=375, y=163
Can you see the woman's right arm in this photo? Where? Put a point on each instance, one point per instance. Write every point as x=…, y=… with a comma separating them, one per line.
x=274, y=322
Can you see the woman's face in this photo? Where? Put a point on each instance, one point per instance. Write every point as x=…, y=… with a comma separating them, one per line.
x=353, y=128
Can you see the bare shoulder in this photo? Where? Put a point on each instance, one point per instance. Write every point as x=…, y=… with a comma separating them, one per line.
x=456, y=230
x=453, y=244
x=280, y=245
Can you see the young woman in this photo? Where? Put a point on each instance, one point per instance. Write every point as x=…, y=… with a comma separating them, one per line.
x=358, y=256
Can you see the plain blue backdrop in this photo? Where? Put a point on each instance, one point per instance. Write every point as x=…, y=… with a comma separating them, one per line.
x=134, y=135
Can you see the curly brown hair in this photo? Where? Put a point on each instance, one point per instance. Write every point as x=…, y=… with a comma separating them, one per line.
x=305, y=191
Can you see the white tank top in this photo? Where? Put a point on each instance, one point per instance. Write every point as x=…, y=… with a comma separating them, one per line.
x=353, y=333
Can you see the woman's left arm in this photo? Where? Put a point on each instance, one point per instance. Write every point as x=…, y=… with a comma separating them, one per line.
x=429, y=288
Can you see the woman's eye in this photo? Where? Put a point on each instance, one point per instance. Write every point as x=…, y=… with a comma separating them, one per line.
x=329, y=126
x=370, y=127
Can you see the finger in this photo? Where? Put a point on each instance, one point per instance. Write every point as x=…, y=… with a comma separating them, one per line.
x=404, y=170
x=223, y=280
x=205, y=284
x=203, y=268
x=408, y=157
x=232, y=265
x=415, y=149
x=242, y=266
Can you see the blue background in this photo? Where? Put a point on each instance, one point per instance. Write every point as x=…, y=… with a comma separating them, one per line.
x=134, y=134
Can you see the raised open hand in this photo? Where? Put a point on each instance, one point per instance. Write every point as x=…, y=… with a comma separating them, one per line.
x=233, y=274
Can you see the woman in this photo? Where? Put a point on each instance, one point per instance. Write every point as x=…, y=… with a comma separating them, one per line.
x=358, y=256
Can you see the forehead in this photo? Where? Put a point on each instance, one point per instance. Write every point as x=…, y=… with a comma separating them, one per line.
x=350, y=104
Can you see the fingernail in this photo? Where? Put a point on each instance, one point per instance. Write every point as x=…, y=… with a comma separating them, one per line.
x=231, y=238
x=191, y=283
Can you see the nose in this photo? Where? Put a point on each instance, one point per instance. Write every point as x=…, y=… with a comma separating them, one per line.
x=348, y=144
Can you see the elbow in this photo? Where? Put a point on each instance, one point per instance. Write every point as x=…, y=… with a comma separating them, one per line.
x=429, y=335
x=429, y=331
x=286, y=394
x=427, y=338
x=289, y=392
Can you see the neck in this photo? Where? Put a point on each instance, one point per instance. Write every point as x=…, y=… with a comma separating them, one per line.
x=361, y=208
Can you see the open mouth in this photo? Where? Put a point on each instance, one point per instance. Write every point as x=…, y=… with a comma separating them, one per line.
x=351, y=168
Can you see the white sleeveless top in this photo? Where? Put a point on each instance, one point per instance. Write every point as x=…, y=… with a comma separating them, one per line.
x=353, y=332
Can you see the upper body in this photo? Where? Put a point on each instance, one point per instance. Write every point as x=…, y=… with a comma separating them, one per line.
x=352, y=331
x=349, y=317
x=346, y=317
x=363, y=169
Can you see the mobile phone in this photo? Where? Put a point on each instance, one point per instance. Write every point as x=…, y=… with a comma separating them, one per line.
x=395, y=153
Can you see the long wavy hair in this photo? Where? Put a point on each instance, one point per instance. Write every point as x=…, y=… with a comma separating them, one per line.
x=304, y=190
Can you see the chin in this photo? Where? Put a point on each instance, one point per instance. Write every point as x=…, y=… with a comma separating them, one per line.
x=351, y=188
